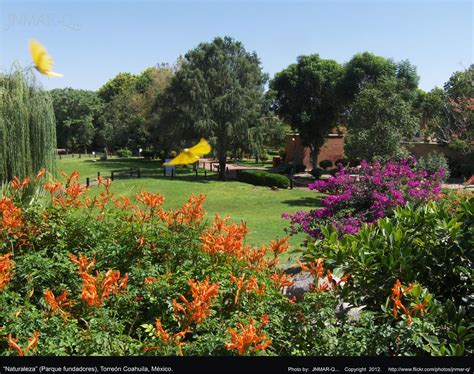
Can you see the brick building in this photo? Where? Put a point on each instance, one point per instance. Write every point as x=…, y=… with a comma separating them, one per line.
x=332, y=149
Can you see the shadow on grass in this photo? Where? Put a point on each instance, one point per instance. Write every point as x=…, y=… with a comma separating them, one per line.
x=312, y=202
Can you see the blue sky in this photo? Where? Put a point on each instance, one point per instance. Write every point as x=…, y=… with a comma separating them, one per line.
x=91, y=41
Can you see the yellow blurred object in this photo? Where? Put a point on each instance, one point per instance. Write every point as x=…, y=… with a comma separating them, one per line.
x=191, y=155
x=43, y=62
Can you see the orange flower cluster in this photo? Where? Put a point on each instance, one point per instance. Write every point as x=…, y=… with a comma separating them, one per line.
x=249, y=285
x=250, y=338
x=17, y=184
x=224, y=238
x=281, y=280
x=70, y=196
x=105, y=195
x=322, y=283
x=151, y=200
x=96, y=289
x=57, y=303
x=191, y=213
x=6, y=265
x=199, y=308
x=11, y=217
x=32, y=343
x=398, y=291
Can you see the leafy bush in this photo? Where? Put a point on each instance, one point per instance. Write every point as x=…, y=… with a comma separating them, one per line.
x=124, y=153
x=317, y=172
x=89, y=274
x=434, y=161
x=85, y=275
x=374, y=194
x=326, y=164
x=148, y=155
x=263, y=178
x=299, y=168
x=430, y=245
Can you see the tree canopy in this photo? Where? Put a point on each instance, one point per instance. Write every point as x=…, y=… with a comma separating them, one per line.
x=27, y=127
x=380, y=119
x=216, y=93
x=76, y=113
x=307, y=98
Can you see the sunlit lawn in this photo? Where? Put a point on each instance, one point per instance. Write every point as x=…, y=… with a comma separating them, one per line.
x=259, y=207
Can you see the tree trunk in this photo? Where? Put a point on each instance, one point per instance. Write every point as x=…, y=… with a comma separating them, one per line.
x=314, y=156
x=222, y=173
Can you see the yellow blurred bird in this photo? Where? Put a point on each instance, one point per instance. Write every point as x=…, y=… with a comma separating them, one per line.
x=191, y=155
x=43, y=62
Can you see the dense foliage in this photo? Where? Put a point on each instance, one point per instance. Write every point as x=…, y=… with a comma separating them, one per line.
x=263, y=178
x=306, y=96
x=430, y=246
x=27, y=127
x=365, y=194
x=217, y=93
x=101, y=274
x=381, y=117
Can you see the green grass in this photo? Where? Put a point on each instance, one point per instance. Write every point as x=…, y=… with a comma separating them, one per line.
x=259, y=207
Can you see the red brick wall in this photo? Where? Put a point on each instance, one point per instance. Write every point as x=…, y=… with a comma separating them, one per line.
x=333, y=149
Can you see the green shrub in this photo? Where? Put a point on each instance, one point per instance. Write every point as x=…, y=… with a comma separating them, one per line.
x=434, y=161
x=263, y=178
x=325, y=164
x=431, y=245
x=148, y=155
x=124, y=153
x=317, y=172
x=299, y=168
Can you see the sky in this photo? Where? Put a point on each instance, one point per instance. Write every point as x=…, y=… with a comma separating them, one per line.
x=92, y=41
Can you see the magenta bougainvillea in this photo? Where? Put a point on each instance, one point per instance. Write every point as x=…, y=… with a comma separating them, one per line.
x=366, y=193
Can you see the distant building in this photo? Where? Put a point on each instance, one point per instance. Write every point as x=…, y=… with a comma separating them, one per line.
x=297, y=153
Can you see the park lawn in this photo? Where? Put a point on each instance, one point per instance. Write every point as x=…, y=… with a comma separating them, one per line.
x=259, y=207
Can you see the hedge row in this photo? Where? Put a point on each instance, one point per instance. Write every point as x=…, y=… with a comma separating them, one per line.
x=263, y=178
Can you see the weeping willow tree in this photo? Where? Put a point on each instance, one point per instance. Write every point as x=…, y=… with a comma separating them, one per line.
x=27, y=127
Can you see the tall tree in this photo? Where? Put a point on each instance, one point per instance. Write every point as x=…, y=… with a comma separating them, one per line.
x=76, y=113
x=216, y=93
x=27, y=127
x=307, y=98
x=380, y=119
x=117, y=85
x=130, y=117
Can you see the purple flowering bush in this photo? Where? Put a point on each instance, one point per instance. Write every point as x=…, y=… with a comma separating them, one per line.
x=365, y=194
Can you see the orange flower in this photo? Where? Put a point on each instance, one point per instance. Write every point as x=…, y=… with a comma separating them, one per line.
x=57, y=304
x=150, y=280
x=123, y=203
x=40, y=174
x=250, y=285
x=316, y=268
x=397, y=293
x=160, y=331
x=110, y=282
x=281, y=280
x=53, y=187
x=6, y=265
x=279, y=246
x=151, y=200
x=249, y=338
x=82, y=262
x=198, y=309
x=32, y=343
x=11, y=217
x=420, y=307
x=224, y=238
x=16, y=184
